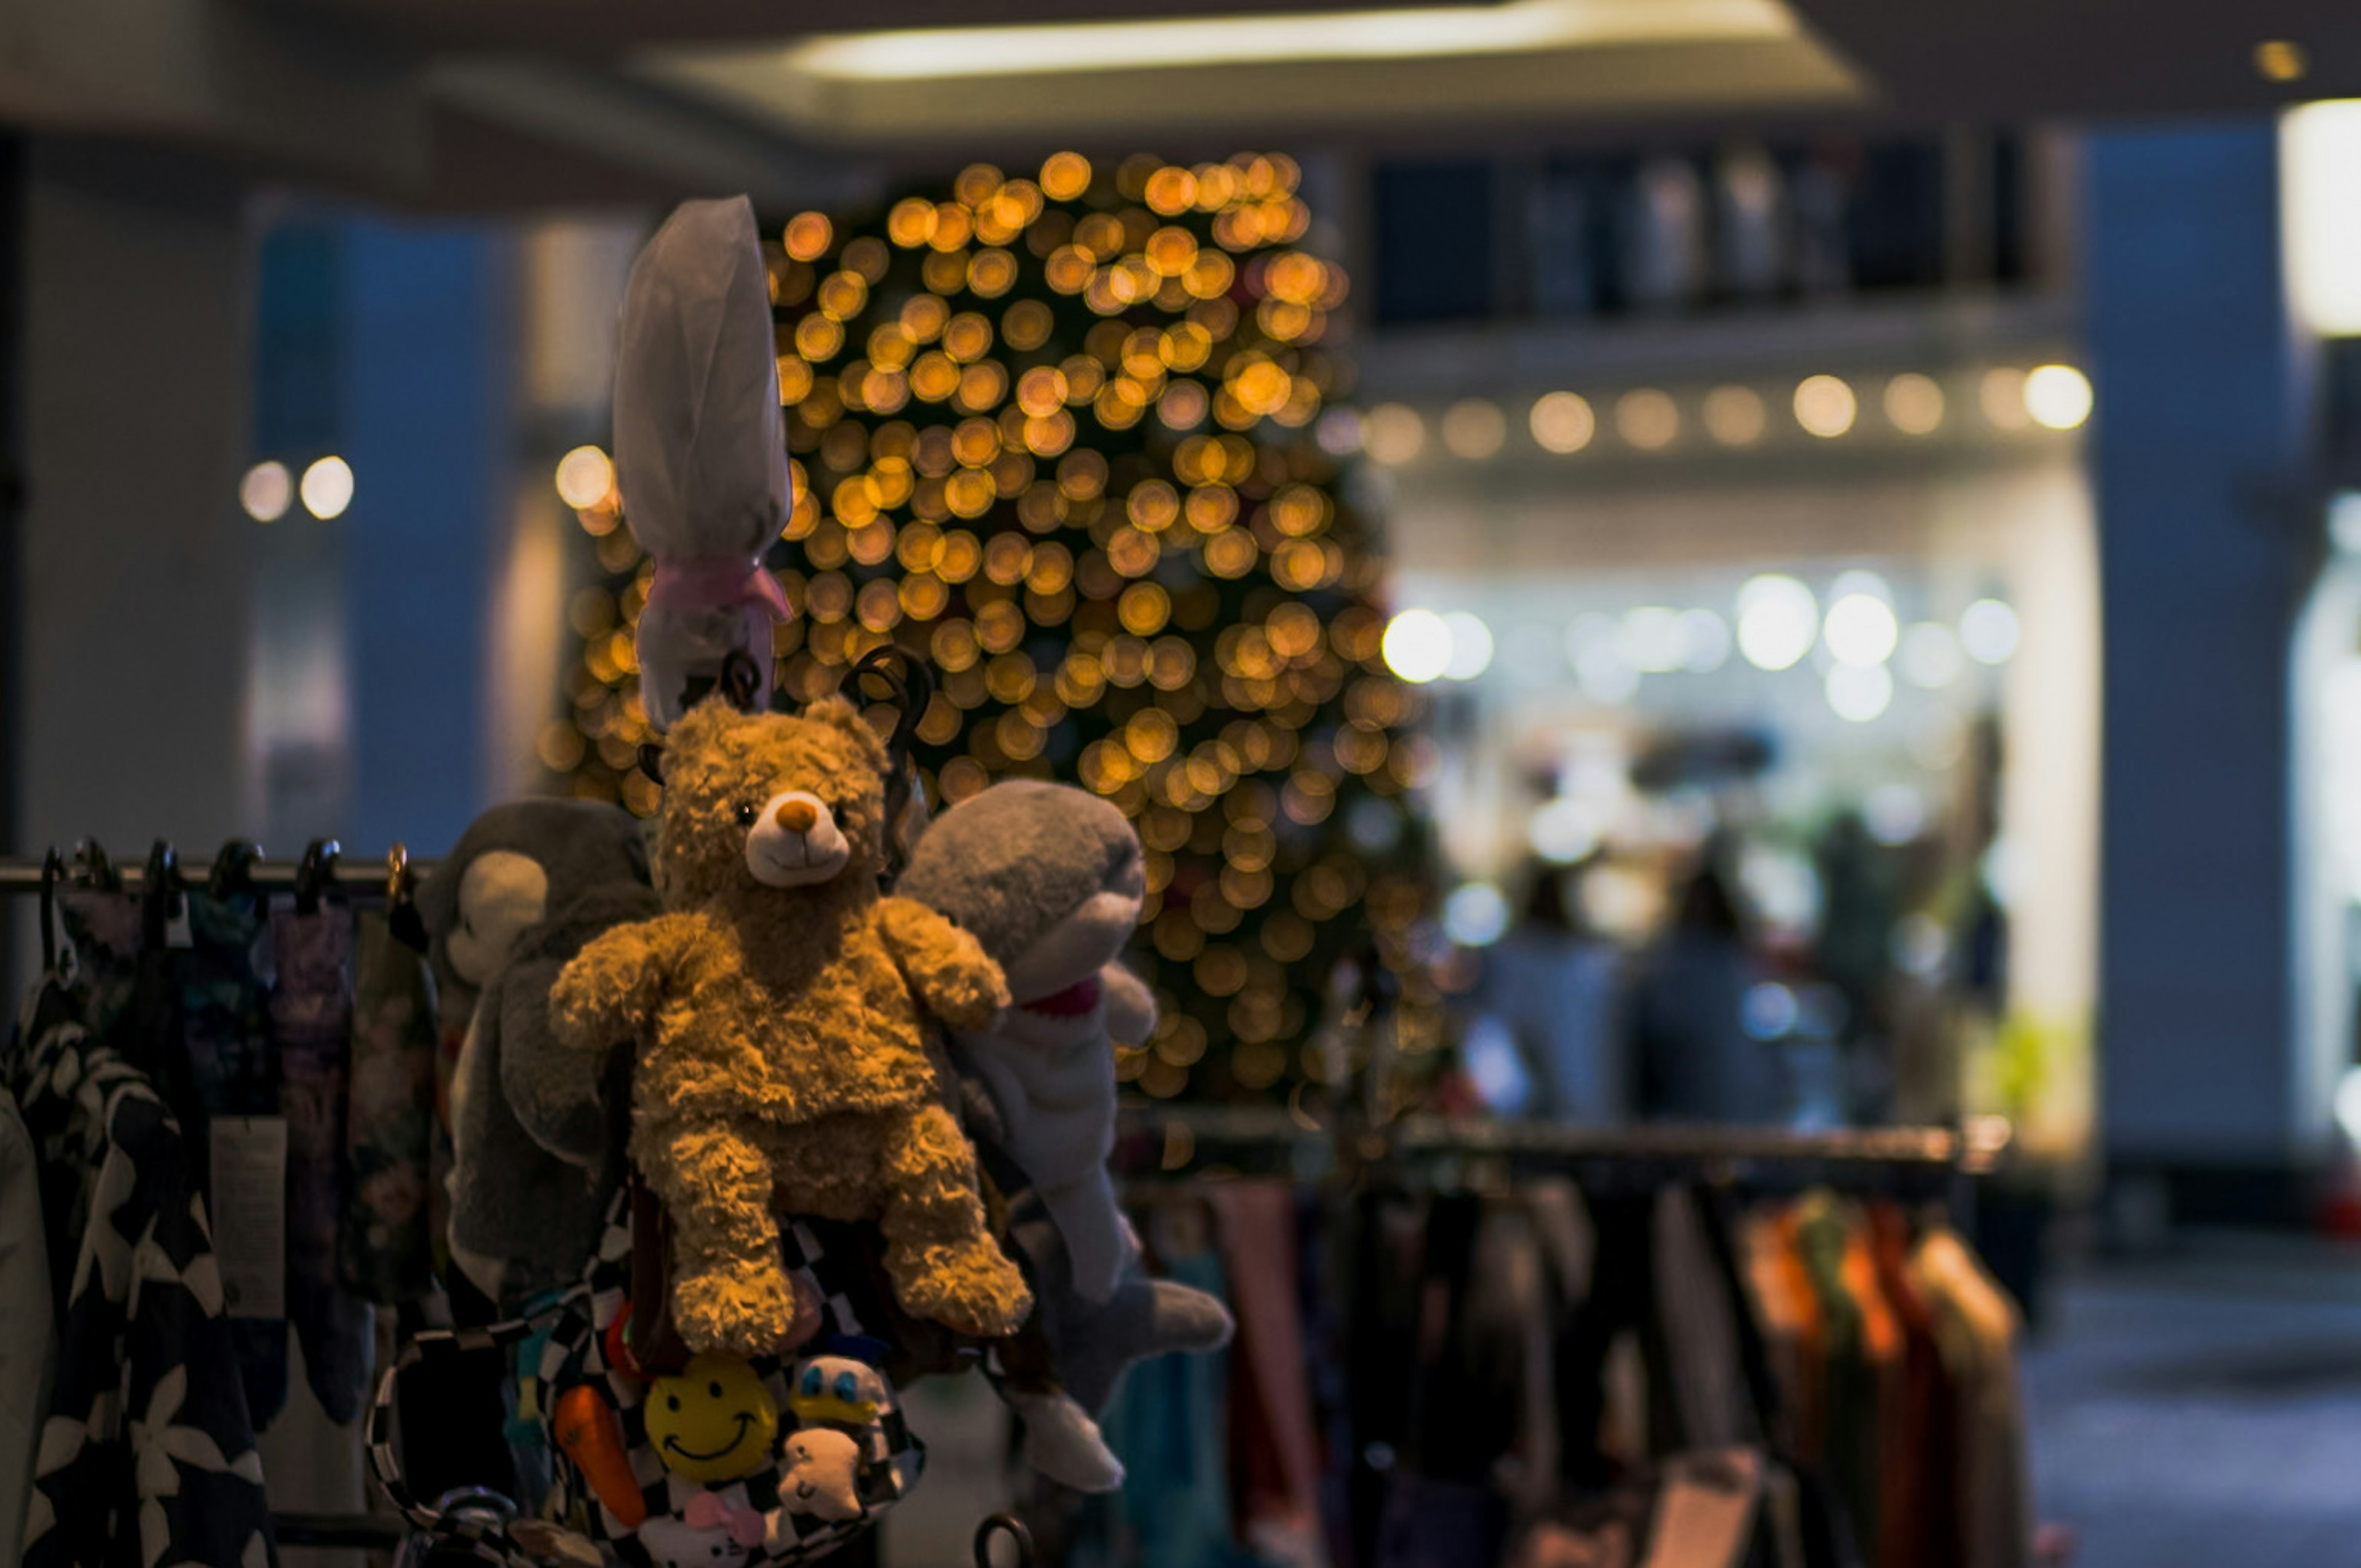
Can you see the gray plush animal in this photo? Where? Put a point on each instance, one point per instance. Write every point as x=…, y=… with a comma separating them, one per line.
x=526, y=887
x=1050, y=879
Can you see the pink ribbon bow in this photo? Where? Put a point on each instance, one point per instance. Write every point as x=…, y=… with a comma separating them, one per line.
x=710, y=585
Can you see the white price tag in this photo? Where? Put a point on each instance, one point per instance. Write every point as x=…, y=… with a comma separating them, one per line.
x=249, y=1171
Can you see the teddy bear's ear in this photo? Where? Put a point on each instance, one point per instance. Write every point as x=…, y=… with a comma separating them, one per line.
x=840, y=714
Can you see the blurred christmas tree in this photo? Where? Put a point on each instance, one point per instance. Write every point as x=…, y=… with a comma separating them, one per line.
x=1061, y=438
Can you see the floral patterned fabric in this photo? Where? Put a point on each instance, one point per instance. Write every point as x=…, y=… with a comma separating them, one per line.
x=230, y=1062
x=311, y=1021
x=383, y=1251
x=146, y=1458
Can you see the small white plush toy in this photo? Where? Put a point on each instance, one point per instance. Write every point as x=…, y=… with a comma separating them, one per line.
x=700, y=459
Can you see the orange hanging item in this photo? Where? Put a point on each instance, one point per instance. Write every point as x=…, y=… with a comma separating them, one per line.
x=591, y=1436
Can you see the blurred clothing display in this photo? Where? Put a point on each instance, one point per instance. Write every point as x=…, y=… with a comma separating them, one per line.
x=1631, y=1369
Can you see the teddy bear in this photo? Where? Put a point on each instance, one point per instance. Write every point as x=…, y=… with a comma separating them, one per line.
x=700, y=456
x=528, y=884
x=780, y=1007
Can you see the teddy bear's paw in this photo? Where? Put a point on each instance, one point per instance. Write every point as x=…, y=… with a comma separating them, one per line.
x=972, y=1290
x=748, y=1313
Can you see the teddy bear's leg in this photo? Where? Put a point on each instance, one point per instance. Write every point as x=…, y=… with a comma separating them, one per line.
x=942, y=1259
x=730, y=1289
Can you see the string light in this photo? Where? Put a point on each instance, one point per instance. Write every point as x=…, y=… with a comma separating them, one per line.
x=328, y=488
x=266, y=491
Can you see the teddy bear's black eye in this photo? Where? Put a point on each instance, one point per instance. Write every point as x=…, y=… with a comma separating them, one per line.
x=672, y=1402
x=713, y=1390
x=746, y=815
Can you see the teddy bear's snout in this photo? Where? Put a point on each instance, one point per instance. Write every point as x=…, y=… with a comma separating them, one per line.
x=795, y=841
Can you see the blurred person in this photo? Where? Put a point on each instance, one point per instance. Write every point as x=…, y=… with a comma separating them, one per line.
x=1696, y=1060
x=1554, y=985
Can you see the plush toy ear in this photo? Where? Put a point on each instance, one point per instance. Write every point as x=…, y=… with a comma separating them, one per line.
x=841, y=713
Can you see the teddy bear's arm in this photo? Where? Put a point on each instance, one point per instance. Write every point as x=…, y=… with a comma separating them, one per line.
x=730, y=1288
x=1130, y=1006
x=609, y=993
x=947, y=968
x=939, y=1252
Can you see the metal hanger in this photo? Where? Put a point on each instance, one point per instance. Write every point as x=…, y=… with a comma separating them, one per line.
x=315, y=871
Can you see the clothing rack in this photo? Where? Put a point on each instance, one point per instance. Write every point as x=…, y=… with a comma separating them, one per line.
x=348, y=877
x=1166, y=1140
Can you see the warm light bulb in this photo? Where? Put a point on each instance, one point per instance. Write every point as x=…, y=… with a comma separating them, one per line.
x=1777, y=619
x=266, y=491
x=1825, y=406
x=1417, y=645
x=2058, y=396
x=328, y=488
x=585, y=477
x=1563, y=422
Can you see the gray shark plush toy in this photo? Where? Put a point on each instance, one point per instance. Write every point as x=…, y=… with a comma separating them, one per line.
x=1050, y=879
x=526, y=887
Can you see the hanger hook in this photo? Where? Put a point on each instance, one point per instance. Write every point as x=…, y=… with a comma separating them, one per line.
x=233, y=867
x=909, y=686
x=160, y=886
x=1013, y=1529
x=53, y=872
x=317, y=866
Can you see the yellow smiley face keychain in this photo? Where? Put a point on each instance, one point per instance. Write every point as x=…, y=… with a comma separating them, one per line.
x=713, y=1421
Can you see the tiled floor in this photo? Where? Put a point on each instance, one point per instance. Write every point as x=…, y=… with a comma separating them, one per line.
x=2204, y=1410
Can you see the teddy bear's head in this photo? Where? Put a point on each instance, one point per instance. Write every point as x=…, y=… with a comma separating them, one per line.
x=760, y=801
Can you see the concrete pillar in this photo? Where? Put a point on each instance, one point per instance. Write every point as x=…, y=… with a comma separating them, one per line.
x=2203, y=407
x=136, y=562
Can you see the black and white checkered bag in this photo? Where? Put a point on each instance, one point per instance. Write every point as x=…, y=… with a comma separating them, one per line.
x=678, y=1527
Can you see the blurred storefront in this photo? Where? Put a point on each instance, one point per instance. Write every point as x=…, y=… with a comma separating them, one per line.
x=1750, y=514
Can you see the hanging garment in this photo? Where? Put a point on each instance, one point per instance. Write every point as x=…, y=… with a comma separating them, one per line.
x=1851, y=1390
x=1793, y=1328
x=103, y=925
x=1920, y=1521
x=27, y=1322
x=1977, y=1326
x=1388, y=1248
x=310, y=1022
x=1701, y=1331
x=1881, y=1352
x=1611, y=1353
x=1274, y=1455
x=1167, y=1424
x=233, y=1071
x=147, y=1454
x=383, y=1254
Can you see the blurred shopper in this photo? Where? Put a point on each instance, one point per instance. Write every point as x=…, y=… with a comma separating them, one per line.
x=1697, y=1062
x=1554, y=985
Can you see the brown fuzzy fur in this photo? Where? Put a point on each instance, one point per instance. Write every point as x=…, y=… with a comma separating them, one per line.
x=784, y=1049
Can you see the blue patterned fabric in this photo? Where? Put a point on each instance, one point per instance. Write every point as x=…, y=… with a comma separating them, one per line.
x=146, y=1457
